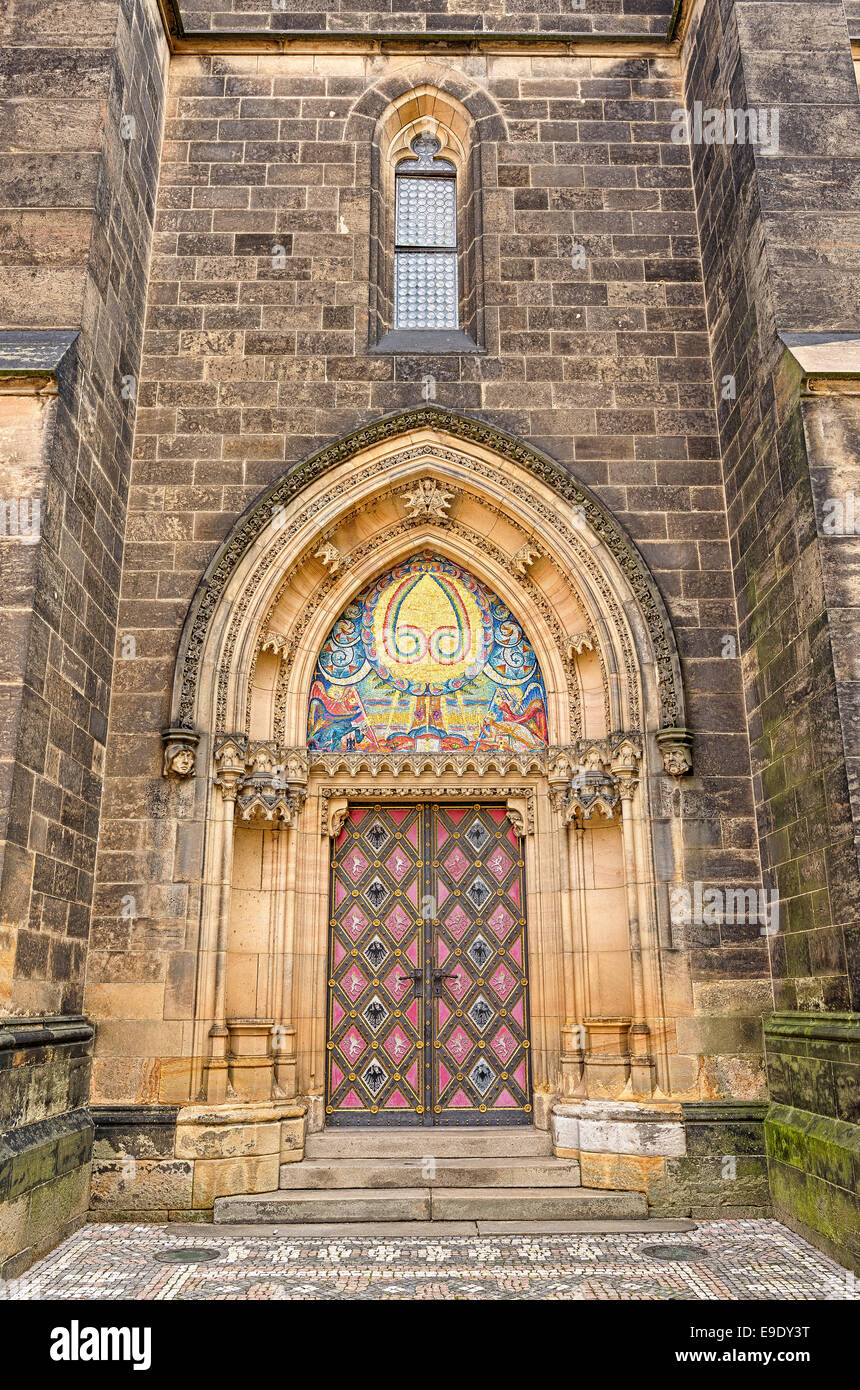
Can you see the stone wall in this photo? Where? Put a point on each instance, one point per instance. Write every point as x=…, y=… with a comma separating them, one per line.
x=47, y=1139
x=249, y=367
x=163, y=1163
x=76, y=210
x=702, y=1159
x=777, y=231
x=759, y=217
x=81, y=99
x=812, y=1128
x=638, y=17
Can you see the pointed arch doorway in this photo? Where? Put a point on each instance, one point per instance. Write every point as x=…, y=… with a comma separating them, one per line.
x=297, y=726
x=427, y=1013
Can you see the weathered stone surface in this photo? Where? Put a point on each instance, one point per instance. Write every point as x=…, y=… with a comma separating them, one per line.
x=617, y=1128
x=141, y=1184
x=223, y=1141
x=222, y=1177
x=134, y=1131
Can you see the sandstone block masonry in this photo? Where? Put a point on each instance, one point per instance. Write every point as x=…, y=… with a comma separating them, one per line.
x=208, y=295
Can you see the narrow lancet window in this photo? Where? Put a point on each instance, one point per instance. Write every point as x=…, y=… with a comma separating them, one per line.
x=425, y=253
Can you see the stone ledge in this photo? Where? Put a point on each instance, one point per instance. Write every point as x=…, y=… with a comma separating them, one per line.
x=818, y=1145
x=123, y=1116
x=241, y=1113
x=52, y=1030
x=35, y=350
x=714, y=1112
x=843, y=1028
x=44, y=1150
x=619, y=1128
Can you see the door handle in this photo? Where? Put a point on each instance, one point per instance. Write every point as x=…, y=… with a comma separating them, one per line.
x=417, y=977
x=439, y=976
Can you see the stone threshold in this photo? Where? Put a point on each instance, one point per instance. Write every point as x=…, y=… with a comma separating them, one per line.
x=384, y=1229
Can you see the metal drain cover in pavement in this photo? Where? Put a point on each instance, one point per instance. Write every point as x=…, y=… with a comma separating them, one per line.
x=188, y=1255
x=691, y=1254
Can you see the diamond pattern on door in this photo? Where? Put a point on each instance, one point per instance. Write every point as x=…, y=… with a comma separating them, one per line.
x=428, y=1000
x=375, y=1072
x=479, y=945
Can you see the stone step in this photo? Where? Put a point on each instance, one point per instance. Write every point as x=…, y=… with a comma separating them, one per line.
x=440, y=1143
x=342, y=1205
x=337, y=1204
x=655, y=1226
x=322, y=1173
x=533, y=1204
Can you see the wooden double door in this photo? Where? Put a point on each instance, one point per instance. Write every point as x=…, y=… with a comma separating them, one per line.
x=428, y=969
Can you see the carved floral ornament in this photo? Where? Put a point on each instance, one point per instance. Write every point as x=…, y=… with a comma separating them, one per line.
x=428, y=498
x=268, y=515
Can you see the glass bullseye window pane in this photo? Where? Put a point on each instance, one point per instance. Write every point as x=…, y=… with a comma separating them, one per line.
x=426, y=212
x=425, y=289
x=426, y=292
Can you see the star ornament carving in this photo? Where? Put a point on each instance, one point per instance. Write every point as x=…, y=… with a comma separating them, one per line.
x=427, y=498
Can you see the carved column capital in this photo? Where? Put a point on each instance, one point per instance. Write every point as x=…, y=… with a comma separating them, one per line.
x=230, y=767
x=626, y=757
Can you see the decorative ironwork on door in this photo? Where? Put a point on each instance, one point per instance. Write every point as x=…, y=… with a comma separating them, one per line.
x=428, y=990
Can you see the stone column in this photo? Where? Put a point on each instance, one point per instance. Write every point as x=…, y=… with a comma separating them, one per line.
x=573, y=949
x=231, y=768
x=284, y=1039
x=641, y=1062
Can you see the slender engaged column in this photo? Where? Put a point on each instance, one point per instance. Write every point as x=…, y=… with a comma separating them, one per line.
x=216, y=1066
x=641, y=1063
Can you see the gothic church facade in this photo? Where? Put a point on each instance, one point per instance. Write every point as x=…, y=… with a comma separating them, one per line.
x=429, y=443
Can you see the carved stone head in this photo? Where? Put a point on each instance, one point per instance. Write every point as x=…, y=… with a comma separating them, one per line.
x=676, y=747
x=180, y=753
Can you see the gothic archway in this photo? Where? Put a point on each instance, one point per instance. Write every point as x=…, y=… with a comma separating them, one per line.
x=428, y=482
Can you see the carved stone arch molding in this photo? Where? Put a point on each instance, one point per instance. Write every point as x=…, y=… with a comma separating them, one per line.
x=427, y=480
x=560, y=523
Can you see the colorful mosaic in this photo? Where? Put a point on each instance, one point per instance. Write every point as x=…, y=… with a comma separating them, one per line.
x=740, y=1260
x=426, y=658
x=428, y=995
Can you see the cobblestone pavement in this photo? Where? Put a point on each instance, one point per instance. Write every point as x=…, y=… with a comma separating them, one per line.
x=727, y=1260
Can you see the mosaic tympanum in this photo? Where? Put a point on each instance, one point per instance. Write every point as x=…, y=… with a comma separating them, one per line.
x=427, y=658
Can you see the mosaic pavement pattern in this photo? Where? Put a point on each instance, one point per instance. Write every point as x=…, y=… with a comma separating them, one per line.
x=725, y=1260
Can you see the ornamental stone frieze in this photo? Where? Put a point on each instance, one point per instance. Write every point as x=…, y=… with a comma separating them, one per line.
x=397, y=764
x=585, y=763
x=605, y=773
x=266, y=782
